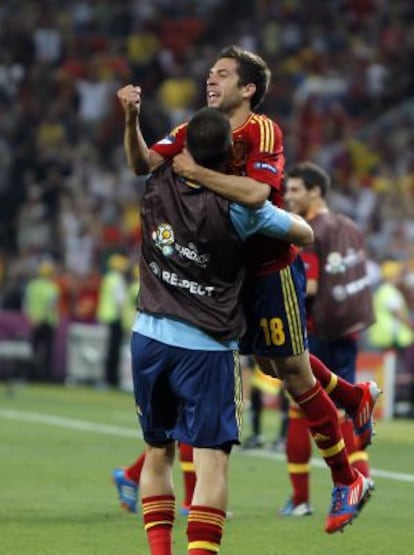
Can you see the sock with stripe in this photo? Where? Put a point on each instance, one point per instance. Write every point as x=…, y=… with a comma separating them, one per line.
x=323, y=424
x=339, y=390
x=298, y=454
x=204, y=530
x=188, y=470
x=158, y=513
x=358, y=459
x=133, y=472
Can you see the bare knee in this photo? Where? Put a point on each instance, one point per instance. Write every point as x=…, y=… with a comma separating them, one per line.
x=160, y=457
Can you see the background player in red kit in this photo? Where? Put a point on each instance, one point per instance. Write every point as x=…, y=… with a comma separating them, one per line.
x=335, y=262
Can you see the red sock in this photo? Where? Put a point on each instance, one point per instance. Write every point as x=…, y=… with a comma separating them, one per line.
x=133, y=472
x=158, y=513
x=189, y=475
x=160, y=540
x=204, y=530
x=346, y=394
x=298, y=454
x=324, y=426
x=358, y=459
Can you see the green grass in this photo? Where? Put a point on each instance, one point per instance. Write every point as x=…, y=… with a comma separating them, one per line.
x=57, y=498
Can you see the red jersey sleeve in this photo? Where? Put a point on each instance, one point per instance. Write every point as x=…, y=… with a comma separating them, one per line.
x=311, y=261
x=172, y=144
x=265, y=161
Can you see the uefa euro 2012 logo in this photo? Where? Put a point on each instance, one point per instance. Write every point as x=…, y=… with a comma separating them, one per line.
x=335, y=263
x=164, y=238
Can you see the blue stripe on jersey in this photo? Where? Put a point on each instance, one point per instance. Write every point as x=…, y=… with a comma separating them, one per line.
x=178, y=333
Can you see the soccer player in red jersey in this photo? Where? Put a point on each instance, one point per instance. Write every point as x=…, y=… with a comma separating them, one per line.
x=335, y=262
x=236, y=84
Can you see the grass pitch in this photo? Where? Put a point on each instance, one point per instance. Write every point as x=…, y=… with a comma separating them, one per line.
x=58, y=447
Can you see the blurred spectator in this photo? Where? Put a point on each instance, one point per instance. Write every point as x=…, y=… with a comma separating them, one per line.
x=394, y=326
x=130, y=309
x=113, y=296
x=86, y=297
x=41, y=308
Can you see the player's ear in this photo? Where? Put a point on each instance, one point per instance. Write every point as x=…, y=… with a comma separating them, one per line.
x=315, y=192
x=249, y=90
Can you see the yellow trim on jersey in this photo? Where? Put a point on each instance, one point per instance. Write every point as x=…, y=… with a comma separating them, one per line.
x=177, y=129
x=295, y=412
x=209, y=546
x=296, y=468
x=187, y=466
x=267, y=133
x=332, y=383
x=334, y=450
x=290, y=301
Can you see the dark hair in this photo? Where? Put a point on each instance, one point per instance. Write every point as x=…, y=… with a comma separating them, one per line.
x=251, y=69
x=209, y=138
x=312, y=176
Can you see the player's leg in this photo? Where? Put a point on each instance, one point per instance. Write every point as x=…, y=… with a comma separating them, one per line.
x=157, y=408
x=281, y=346
x=209, y=386
x=341, y=355
x=358, y=400
x=253, y=403
x=298, y=454
x=157, y=497
x=126, y=480
x=279, y=444
x=208, y=510
x=189, y=475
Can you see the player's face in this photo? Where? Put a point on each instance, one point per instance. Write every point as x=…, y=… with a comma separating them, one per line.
x=297, y=197
x=223, y=89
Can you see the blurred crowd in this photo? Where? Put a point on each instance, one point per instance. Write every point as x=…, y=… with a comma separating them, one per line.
x=342, y=91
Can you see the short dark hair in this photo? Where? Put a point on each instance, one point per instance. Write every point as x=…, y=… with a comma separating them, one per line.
x=209, y=138
x=312, y=176
x=251, y=69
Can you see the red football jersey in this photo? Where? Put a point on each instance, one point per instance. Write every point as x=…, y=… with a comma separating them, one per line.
x=257, y=153
x=312, y=268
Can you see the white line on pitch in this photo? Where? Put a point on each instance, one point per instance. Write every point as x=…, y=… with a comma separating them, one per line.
x=119, y=431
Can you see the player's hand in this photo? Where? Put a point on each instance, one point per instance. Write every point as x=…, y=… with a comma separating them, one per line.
x=184, y=164
x=130, y=98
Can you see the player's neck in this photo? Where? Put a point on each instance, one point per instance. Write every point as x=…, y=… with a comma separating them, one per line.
x=239, y=116
x=316, y=209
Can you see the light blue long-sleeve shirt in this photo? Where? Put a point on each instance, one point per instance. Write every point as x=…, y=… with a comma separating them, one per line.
x=267, y=220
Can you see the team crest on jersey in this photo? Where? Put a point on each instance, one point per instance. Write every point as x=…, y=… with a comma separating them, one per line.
x=239, y=153
x=164, y=239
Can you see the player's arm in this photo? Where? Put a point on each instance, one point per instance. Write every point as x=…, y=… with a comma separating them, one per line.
x=273, y=222
x=244, y=190
x=300, y=232
x=140, y=159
